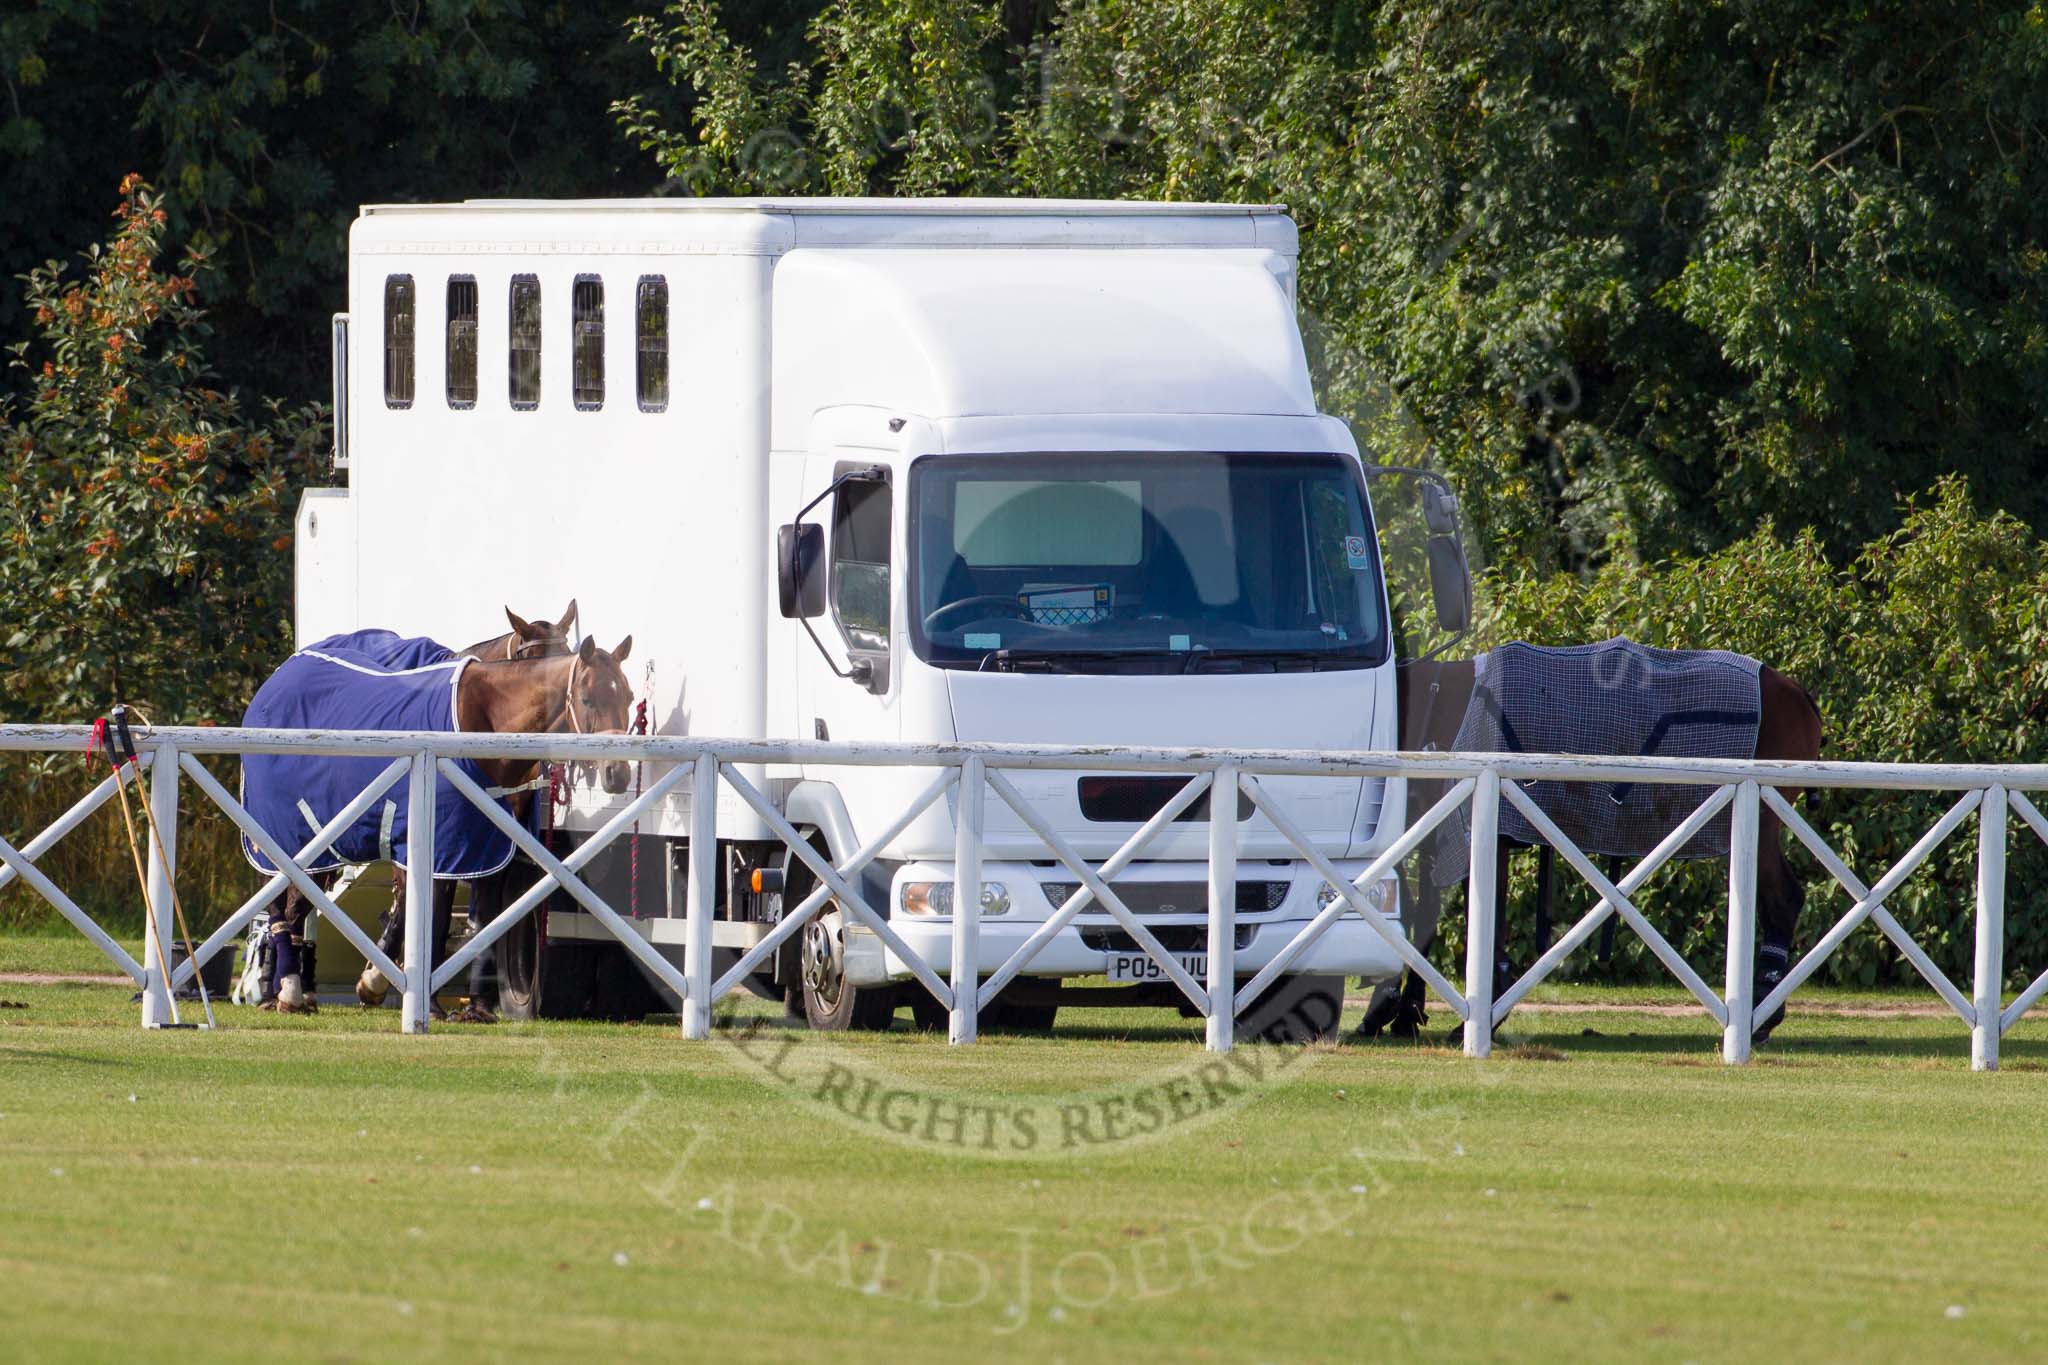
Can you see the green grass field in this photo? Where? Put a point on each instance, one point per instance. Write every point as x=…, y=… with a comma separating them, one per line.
x=326, y=1189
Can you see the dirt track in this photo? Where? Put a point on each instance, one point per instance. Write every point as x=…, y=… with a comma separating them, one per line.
x=1933, y=1009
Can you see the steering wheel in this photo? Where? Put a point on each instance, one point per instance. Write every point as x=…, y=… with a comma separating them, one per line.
x=1018, y=610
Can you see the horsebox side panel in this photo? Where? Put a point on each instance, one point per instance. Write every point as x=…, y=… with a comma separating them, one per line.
x=324, y=565
x=644, y=514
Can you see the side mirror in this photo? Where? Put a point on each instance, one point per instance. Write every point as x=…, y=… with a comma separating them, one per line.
x=1450, y=583
x=799, y=570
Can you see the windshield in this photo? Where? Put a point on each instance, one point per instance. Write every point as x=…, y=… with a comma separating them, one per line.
x=1173, y=561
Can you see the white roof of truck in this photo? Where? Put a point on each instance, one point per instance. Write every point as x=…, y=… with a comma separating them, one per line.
x=772, y=226
x=820, y=204
x=950, y=333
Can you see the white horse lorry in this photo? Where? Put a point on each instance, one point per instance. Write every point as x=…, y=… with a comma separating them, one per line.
x=908, y=471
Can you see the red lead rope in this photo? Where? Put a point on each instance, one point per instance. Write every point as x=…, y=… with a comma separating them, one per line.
x=639, y=728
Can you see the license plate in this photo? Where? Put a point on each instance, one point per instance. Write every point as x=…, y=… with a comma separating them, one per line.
x=1141, y=966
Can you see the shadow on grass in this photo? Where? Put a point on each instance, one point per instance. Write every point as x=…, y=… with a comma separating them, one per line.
x=1781, y=1049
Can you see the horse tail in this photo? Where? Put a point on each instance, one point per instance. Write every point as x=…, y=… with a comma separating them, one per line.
x=1807, y=697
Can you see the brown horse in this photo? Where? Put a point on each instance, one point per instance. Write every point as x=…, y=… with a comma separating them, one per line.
x=584, y=692
x=487, y=895
x=1433, y=697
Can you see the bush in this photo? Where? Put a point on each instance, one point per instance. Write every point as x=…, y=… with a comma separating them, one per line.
x=145, y=550
x=145, y=519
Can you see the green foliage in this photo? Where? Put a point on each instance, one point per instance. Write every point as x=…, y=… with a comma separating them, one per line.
x=145, y=519
x=1636, y=278
x=1932, y=646
x=268, y=124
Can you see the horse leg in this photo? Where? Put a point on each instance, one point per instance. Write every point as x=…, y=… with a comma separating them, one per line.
x=1504, y=971
x=1402, y=1004
x=371, y=986
x=1780, y=896
x=444, y=914
x=1546, y=867
x=486, y=899
x=286, y=990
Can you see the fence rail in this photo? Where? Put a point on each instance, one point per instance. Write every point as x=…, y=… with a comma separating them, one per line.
x=975, y=773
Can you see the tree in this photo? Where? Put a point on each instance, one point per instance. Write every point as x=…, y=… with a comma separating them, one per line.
x=145, y=518
x=1634, y=277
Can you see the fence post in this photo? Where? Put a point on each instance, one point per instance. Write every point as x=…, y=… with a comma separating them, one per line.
x=160, y=871
x=1984, y=1032
x=1740, y=983
x=1480, y=892
x=418, y=999
x=1223, y=909
x=703, y=888
x=965, y=1024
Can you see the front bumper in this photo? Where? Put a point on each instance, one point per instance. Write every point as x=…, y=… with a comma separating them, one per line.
x=1084, y=947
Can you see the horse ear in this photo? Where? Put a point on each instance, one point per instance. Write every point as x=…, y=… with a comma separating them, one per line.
x=525, y=629
x=625, y=648
x=587, y=651
x=568, y=620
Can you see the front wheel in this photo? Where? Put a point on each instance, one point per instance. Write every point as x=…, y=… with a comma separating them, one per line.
x=831, y=1003
x=1295, y=1009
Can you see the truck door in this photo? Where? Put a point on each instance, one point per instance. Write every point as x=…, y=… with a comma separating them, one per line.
x=848, y=691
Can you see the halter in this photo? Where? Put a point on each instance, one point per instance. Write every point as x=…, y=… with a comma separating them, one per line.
x=569, y=696
x=515, y=647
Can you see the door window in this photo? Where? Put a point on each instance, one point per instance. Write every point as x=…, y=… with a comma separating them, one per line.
x=860, y=564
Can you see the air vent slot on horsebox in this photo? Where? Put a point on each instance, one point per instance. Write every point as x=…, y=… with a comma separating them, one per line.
x=1125, y=799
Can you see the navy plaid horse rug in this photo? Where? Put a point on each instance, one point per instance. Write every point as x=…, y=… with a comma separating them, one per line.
x=367, y=680
x=1614, y=697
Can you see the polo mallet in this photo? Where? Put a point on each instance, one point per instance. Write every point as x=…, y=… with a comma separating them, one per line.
x=104, y=739
x=121, y=748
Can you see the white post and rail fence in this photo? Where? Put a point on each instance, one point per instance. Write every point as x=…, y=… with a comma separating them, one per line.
x=975, y=775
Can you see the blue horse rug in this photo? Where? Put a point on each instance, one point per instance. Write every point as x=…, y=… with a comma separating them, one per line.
x=1616, y=697
x=367, y=680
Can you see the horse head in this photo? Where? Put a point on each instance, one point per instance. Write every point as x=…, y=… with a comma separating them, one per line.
x=597, y=699
x=527, y=639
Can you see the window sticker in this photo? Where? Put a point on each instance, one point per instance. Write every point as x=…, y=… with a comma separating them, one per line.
x=1355, y=553
x=1177, y=643
x=981, y=639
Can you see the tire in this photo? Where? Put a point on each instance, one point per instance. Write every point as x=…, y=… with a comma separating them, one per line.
x=569, y=981
x=519, y=972
x=830, y=1004
x=925, y=1010
x=1007, y=1016
x=1295, y=1009
x=1000, y=1015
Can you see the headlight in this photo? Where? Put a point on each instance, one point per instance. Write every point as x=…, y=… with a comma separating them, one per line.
x=1379, y=896
x=936, y=898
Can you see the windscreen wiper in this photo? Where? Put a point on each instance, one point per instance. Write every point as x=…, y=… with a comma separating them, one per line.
x=1060, y=660
x=1282, y=660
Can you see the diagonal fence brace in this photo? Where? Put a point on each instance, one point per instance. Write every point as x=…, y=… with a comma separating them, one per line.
x=793, y=920
x=480, y=942
x=1583, y=865
x=826, y=873
x=40, y=883
x=1869, y=900
x=231, y=927
x=70, y=819
x=1351, y=894
x=299, y=877
x=1576, y=937
x=662, y=969
x=2036, y=988
x=1084, y=895
x=1104, y=894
